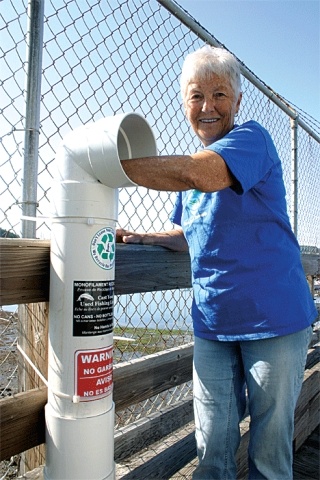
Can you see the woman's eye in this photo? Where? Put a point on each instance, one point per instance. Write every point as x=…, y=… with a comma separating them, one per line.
x=195, y=99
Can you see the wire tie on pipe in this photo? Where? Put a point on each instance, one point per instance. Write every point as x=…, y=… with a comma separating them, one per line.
x=74, y=398
x=34, y=219
x=27, y=202
x=26, y=130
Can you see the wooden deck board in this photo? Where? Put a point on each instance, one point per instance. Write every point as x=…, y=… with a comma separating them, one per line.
x=306, y=465
x=306, y=462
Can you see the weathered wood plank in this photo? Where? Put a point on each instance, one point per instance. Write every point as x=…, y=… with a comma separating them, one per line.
x=311, y=263
x=142, y=433
x=21, y=416
x=24, y=412
x=143, y=268
x=24, y=272
x=25, y=265
x=145, y=377
x=304, y=426
x=33, y=339
x=166, y=463
x=172, y=460
x=242, y=453
x=305, y=464
x=311, y=386
x=306, y=460
x=307, y=421
x=313, y=354
x=22, y=422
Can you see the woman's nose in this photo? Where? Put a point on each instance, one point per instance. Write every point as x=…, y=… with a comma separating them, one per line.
x=208, y=105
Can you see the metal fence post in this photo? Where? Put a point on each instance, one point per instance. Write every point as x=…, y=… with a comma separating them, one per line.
x=294, y=174
x=32, y=317
x=32, y=122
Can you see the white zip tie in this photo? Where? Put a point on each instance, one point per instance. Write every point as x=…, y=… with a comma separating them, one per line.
x=74, y=398
x=34, y=219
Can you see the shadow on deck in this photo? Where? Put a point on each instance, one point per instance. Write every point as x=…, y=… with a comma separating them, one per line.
x=306, y=463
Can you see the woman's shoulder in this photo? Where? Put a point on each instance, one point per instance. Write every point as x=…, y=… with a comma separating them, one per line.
x=253, y=131
x=250, y=125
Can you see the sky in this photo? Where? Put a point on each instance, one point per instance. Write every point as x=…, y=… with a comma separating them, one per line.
x=279, y=40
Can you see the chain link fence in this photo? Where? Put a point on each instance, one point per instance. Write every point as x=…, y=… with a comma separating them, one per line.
x=101, y=58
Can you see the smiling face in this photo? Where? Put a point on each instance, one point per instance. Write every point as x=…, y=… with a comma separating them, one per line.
x=211, y=105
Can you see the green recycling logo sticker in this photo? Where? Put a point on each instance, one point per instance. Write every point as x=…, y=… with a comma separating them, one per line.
x=103, y=248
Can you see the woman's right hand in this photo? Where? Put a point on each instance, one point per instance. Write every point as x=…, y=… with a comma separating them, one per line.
x=126, y=236
x=172, y=239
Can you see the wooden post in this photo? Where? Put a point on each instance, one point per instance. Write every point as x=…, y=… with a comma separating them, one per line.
x=33, y=339
x=310, y=279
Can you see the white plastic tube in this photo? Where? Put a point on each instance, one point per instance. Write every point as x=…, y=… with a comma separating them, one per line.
x=79, y=421
x=97, y=149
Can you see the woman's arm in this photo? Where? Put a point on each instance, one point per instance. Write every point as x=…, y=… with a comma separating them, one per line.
x=205, y=171
x=172, y=239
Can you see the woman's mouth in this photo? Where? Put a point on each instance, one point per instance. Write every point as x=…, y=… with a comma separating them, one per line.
x=208, y=120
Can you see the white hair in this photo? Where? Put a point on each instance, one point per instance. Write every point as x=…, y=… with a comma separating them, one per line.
x=206, y=60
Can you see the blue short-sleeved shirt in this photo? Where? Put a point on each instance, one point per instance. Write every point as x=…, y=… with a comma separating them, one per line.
x=247, y=275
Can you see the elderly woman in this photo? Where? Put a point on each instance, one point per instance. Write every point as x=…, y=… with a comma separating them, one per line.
x=252, y=308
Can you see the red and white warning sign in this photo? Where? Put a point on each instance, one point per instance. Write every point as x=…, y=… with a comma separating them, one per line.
x=93, y=373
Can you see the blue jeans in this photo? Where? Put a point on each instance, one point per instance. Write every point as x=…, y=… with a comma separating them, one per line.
x=272, y=371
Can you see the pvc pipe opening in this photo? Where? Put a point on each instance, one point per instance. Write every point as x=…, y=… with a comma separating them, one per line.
x=133, y=138
x=99, y=147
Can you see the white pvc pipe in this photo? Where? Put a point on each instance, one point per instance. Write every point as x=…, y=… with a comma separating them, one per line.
x=80, y=410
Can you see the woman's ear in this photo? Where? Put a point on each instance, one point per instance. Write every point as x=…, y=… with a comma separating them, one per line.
x=238, y=102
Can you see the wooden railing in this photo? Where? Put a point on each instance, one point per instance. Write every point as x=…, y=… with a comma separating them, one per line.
x=24, y=278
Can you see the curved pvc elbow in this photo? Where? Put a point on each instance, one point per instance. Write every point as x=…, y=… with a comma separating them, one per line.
x=93, y=152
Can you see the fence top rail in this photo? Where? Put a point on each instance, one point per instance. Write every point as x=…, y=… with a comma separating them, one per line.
x=207, y=37
x=25, y=266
